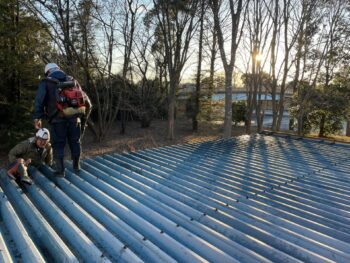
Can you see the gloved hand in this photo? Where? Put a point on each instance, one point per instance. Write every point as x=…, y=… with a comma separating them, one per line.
x=37, y=124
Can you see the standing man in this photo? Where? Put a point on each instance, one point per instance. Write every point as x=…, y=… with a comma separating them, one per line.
x=61, y=100
x=34, y=151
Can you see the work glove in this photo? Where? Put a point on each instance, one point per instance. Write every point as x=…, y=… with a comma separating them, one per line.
x=37, y=124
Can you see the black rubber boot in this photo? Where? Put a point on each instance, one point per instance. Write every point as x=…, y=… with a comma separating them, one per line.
x=59, y=167
x=26, y=179
x=23, y=175
x=76, y=164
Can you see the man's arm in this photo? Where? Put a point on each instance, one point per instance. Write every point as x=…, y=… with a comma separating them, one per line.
x=49, y=156
x=40, y=96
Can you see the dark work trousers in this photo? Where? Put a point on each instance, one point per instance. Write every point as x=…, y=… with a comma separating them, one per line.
x=62, y=131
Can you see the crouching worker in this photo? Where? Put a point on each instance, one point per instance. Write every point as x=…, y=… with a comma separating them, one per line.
x=34, y=151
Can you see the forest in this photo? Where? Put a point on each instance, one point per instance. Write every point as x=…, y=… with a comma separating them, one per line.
x=134, y=57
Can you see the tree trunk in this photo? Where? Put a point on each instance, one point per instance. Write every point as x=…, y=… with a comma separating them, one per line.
x=171, y=108
x=258, y=111
x=250, y=106
x=273, y=65
x=285, y=67
x=128, y=41
x=236, y=34
x=322, y=122
x=122, y=122
x=211, y=74
x=199, y=69
x=348, y=128
x=299, y=55
x=228, y=103
x=301, y=123
x=248, y=123
x=291, y=124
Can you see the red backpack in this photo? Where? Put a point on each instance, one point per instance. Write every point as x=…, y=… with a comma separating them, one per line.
x=69, y=94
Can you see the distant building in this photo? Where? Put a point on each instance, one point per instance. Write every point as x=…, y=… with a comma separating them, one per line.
x=238, y=94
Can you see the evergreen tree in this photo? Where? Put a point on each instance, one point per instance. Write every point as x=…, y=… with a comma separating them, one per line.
x=23, y=41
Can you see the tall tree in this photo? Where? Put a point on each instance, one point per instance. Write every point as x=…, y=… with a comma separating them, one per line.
x=290, y=34
x=275, y=31
x=336, y=20
x=199, y=67
x=176, y=21
x=22, y=39
x=148, y=95
x=130, y=14
x=209, y=65
x=10, y=16
x=309, y=20
x=235, y=12
x=259, y=26
x=324, y=32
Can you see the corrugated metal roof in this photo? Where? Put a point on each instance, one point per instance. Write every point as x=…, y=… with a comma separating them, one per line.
x=246, y=199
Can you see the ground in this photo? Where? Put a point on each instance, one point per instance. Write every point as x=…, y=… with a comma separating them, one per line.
x=137, y=138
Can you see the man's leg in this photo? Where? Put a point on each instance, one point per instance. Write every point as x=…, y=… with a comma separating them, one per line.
x=74, y=144
x=59, y=135
x=12, y=170
x=24, y=177
x=18, y=171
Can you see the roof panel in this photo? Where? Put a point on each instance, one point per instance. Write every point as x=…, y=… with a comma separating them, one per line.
x=254, y=198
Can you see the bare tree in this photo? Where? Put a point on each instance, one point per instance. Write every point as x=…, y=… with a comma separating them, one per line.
x=199, y=67
x=275, y=32
x=130, y=13
x=304, y=17
x=235, y=12
x=147, y=95
x=210, y=50
x=107, y=95
x=96, y=64
x=176, y=21
x=289, y=38
x=259, y=27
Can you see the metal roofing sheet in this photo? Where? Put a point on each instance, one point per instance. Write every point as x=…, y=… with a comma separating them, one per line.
x=247, y=199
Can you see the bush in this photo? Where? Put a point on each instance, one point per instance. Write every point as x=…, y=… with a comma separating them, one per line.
x=333, y=124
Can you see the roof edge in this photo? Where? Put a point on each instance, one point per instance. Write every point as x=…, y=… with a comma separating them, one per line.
x=298, y=137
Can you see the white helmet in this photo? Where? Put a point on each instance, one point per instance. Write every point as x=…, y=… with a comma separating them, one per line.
x=50, y=66
x=43, y=133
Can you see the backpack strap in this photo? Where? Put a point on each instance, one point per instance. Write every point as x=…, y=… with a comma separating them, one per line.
x=51, y=79
x=61, y=84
